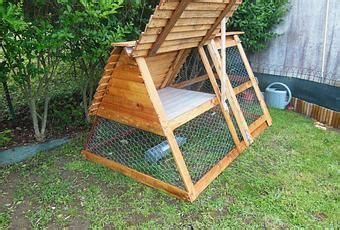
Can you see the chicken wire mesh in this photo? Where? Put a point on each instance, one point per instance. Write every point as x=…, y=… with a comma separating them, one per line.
x=237, y=73
x=208, y=140
x=137, y=149
x=191, y=69
x=250, y=105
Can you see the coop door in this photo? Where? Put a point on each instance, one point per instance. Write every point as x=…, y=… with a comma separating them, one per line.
x=244, y=86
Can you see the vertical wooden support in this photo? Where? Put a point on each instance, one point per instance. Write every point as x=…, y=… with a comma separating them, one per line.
x=253, y=80
x=234, y=105
x=154, y=97
x=218, y=95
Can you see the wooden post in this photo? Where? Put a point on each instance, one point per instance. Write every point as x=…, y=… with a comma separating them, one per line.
x=176, y=152
x=234, y=105
x=253, y=80
x=218, y=95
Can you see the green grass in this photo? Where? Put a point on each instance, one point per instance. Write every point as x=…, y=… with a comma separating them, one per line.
x=288, y=178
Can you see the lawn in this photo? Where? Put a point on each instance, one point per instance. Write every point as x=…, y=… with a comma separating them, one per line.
x=289, y=177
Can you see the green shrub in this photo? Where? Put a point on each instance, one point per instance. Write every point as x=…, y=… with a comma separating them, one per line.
x=5, y=137
x=257, y=19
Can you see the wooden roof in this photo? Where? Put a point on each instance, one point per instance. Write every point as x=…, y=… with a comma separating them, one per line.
x=182, y=24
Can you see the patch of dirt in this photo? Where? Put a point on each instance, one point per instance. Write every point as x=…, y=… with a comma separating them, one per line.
x=22, y=129
x=78, y=223
x=320, y=216
x=19, y=219
x=7, y=192
x=22, y=132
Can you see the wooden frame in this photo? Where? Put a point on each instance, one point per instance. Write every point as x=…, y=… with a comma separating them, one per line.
x=138, y=73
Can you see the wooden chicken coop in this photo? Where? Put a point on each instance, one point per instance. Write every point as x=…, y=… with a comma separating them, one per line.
x=176, y=107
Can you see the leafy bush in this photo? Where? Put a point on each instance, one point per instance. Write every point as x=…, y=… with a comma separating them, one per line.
x=256, y=19
x=71, y=113
x=5, y=137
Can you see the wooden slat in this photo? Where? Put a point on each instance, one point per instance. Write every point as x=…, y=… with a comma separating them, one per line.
x=243, y=87
x=128, y=85
x=188, y=116
x=166, y=14
x=192, y=40
x=138, y=176
x=154, y=97
x=169, y=25
x=181, y=22
x=217, y=22
x=131, y=120
x=127, y=72
x=176, y=67
x=174, y=36
x=194, y=6
x=132, y=108
x=158, y=30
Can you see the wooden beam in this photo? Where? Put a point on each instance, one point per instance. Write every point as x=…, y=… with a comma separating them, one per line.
x=217, y=22
x=156, y=101
x=138, y=176
x=225, y=162
x=253, y=80
x=184, y=118
x=180, y=59
x=243, y=87
x=192, y=81
x=170, y=24
x=234, y=105
x=214, y=84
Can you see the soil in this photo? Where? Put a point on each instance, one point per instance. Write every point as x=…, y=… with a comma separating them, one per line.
x=22, y=131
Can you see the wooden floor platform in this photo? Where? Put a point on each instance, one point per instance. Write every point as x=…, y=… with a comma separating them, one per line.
x=182, y=105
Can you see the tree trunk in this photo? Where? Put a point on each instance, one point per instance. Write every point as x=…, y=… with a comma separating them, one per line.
x=40, y=137
x=44, y=118
x=85, y=104
x=9, y=100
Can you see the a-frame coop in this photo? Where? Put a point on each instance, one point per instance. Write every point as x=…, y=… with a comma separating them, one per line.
x=166, y=114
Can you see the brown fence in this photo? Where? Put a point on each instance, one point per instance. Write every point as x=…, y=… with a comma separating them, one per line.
x=319, y=113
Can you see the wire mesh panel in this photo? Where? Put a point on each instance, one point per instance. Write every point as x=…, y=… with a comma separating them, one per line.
x=191, y=69
x=250, y=105
x=237, y=73
x=137, y=149
x=236, y=70
x=207, y=141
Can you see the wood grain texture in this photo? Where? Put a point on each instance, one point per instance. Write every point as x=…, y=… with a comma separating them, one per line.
x=168, y=27
x=156, y=101
x=321, y=114
x=138, y=176
x=184, y=21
